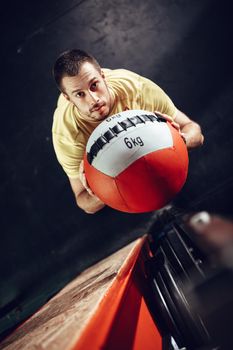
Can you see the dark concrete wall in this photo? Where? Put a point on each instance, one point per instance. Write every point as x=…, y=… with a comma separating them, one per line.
x=184, y=46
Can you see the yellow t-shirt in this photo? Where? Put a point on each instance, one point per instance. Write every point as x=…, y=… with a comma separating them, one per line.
x=71, y=132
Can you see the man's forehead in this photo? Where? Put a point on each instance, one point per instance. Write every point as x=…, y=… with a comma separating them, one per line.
x=86, y=76
x=87, y=69
x=80, y=81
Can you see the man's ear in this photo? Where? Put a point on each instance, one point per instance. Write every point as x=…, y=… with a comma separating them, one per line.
x=66, y=96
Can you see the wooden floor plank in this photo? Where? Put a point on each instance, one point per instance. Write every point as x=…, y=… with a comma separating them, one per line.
x=61, y=321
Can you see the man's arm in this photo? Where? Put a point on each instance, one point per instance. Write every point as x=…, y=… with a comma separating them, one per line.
x=190, y=130
x=86, y=201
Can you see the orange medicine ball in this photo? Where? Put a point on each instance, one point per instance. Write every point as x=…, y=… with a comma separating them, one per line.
x=136, y=161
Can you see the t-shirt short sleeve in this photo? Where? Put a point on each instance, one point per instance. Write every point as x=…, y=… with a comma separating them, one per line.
x=153, y=98
x=69, y=155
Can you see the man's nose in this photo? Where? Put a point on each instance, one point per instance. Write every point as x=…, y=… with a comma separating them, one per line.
x=93, y=96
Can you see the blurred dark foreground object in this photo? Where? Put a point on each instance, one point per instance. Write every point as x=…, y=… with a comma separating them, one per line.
x=171, y=289
x=191, y=279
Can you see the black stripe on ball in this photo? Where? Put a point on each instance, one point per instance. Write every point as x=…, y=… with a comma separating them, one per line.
x=117, y=129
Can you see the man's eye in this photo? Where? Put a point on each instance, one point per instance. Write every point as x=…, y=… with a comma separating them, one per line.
x=80, y=94
x=94, y=86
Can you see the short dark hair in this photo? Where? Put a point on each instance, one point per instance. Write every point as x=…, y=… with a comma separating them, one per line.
x=69, y=63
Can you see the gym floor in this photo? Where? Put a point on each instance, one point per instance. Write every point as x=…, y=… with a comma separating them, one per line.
x=184, y=46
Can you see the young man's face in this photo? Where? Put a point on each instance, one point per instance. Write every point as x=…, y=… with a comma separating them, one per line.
x=88, y=91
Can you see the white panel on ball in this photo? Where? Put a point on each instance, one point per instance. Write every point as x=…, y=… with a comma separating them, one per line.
x=126, y=148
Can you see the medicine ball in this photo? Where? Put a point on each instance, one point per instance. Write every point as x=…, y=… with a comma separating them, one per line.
x=136, y=161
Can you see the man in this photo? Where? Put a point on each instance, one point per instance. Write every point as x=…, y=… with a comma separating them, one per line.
x=90, y=94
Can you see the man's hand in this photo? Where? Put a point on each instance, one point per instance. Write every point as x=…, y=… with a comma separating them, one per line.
x=83, y=179
x=84, y=196
x=169, y=119
x=188, y=129
x=172, y=122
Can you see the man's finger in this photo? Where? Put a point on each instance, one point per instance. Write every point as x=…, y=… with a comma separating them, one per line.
x=83, y=179
x=81, y=167
x=165, y=116
x=183, y=137
x=176, y=125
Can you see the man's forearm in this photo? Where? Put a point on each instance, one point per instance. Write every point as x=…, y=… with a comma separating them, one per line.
x=90, y=204
x=191, y=131
x=192, y=134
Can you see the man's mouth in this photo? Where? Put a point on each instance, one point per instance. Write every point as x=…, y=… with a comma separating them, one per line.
x=97, y=108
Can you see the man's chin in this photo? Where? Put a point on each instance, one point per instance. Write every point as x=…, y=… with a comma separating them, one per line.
x=101, y=114
x=100, y=117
